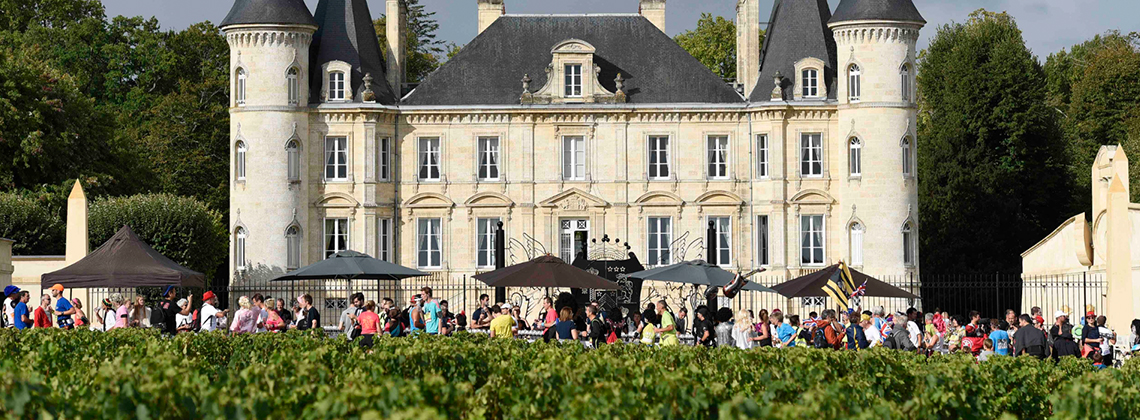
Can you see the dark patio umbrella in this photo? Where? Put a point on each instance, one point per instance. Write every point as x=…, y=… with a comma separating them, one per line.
x=351, y=265
x=545, y=271
x=812, y=285
x=696, y=272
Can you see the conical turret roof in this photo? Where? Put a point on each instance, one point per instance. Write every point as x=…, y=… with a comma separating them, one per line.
x=346, y=34
x=281, y=12
x=892, y=10
x=797, y=29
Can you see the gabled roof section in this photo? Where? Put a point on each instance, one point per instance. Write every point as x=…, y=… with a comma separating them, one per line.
x=892, y=10
x=346, y=34
x=797, y=29
x=280, y=12
x=489, y=70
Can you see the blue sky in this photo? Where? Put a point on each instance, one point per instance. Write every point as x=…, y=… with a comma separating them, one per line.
x=1048, y=25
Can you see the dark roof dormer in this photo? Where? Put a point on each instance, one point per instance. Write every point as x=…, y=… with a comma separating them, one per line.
x=346, y=41
x=797, y=39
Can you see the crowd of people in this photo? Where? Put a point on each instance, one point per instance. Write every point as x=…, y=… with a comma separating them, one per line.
x=364, y=320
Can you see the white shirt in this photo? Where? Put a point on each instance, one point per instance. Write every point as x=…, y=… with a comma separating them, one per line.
x=874, y=335
x=209, y=317
x=743, y=339
x=182, y=320
x=261, y=319
x=9, y=313
x=1105, y=335
x=106, y=320
x=914, y=332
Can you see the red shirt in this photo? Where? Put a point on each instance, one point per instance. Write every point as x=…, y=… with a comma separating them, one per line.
x=41, y=319
x=369, y=322
x=551, y=317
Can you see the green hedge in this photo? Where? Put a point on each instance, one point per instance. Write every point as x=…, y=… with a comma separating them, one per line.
x=181, y=228
x=35, y=227
x=135, y=373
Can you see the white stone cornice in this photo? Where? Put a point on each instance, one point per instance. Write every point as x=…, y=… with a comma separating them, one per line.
x=258, y=37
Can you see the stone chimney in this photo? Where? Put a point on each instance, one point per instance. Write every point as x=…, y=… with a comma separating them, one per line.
x=748, y=44
x=654, y=10
x=489, y=12
x=396, y=28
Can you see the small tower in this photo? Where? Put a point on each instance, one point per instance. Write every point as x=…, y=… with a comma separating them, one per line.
x=875, y=47
x=269, y=73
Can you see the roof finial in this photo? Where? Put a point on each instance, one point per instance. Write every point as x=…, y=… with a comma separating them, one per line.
x=778, y=91
x=526, y=82
x=368, y=96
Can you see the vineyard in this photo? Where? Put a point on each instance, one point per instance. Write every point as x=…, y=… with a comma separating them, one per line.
x=137, y=374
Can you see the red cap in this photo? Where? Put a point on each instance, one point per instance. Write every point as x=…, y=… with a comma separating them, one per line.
x=1040, y=320
x=1090, y=313
x=208, y=295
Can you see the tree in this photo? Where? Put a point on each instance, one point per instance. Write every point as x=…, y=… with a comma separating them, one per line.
x=33, y=224
x=990, y=157
x=423, y=49
x=713, y=42
x=1095, y=89
x=19, y=15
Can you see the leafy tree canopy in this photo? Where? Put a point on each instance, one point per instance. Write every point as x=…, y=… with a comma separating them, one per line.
x=713, y=42
x=423, y=49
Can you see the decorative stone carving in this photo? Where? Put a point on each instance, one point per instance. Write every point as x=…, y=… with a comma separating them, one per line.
x=574, y=203
x=368, y=96
x=778, y=91
x=572, y=52
x=619, y=95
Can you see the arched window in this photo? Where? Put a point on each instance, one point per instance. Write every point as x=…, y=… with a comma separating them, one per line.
x=857, y=232
x=854, y=82
x=907, y=159
x=905, y=74
x=293, y=247
x=908, y=244
x=856, y=157
x=239, y=248
x=240, y=88
x=810, y=83
x=294, y=82
x=239, y=160
x=293, y=150
x=336, y=86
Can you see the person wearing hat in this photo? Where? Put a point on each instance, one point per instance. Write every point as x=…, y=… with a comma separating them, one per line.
x=1090, y=335
x=171, y=309
x=11, y=298
x=63, y=308
x=210, y=315
x=1060, y=325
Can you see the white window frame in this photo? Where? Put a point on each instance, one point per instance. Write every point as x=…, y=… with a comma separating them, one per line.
x=429, y=147
x=763, y=155
x=855, y=157
x=658, y=147
x=426, y=228
x=485, y=235
x=293, y=160
x=336, y=158
x=659, y=228
x=714, y=165
x=854, y=82
x=809, y=79
x=573, y=80
x=809, y=225
x=240, y=159
x=572, y=169
x=341, y=230
x=384, y=156
x=489, y=159
x=857, y=235
x=724, y=229
x=907, y=158
x=904, y=73
x=384, y=234
x=241, y=237
x=337, y=89
x=763, y=240
x=566, y=249
x=242, y=83
x=293, y=82
x=807, y=158
x=292, y=247
x=908, y=244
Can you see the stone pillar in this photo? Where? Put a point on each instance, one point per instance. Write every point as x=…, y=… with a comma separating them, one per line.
x=6, y=267
x=747, y=44
x=1120, y=306
x=77, y=241
x=489, y=12
x=396, y=28
x=654, y=10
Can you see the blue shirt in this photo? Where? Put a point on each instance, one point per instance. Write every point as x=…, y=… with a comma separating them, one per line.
x=19, y=313
x=785, y=332
x=1001, y=342
x=61, y=306
x=566, y=329
x=431, y=317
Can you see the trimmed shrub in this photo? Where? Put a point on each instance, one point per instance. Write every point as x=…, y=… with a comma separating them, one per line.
x=36, y=229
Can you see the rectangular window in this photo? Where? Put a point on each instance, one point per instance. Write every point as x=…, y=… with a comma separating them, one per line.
x=908, y=246
x=384, y=235
x=336, y=86
x=293, y=154
x=293, y=248
x=762, y=164
x=241, y=87
x=336, y=158
x=658, y=157
x=573, y=80
x=574, y=157
x=428, y=241
x=384, y=168
x=336, y=236
x=856, y=157
x=489, y=158
x=811, y=154
x=429, y=159
x=573, y=237
x=294, y=86
x=485, y=252
x=660, y=235
x=723, y=240
x=811, y=240
x=762, y=253
x=241, y=151
x=810, y=83
x=718, y=157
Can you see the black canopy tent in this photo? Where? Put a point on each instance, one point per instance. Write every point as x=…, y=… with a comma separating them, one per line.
x=812, y=285
x=124, y=261
x=351, y=265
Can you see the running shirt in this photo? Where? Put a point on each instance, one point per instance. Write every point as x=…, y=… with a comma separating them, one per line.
x=669, y=338
x=431, y=317
x=63, y=305
x=1001, y=342
x=502, y=326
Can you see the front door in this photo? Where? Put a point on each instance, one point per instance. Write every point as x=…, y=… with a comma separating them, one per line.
x=573, y=234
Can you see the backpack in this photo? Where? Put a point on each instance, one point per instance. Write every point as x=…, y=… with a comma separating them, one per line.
x=158, y=317
x=819, y=339
x=356, y=328
x=196, y=324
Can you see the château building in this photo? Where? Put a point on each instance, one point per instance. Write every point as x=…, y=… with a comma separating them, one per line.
x=555, y=124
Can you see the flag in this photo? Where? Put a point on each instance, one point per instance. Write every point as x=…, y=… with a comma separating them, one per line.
x=810, y=323
x=848, y=281
x=836, y=290
x=860, y=291
x=888, y=325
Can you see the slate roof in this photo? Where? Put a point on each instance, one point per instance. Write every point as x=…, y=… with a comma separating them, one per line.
x=797, y=30
x=346, y=34
x=898, y=10
x=269, y=11
x=488, y=70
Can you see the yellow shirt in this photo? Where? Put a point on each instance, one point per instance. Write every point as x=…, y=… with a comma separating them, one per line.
x=502, y=326
x=669, y=338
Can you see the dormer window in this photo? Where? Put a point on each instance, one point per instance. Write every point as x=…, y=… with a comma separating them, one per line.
x=573, y=80
x=572, y=77
x=336, y=86
x=338, y=82
x=810, y=83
